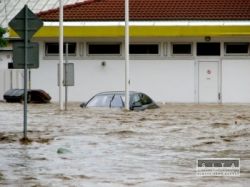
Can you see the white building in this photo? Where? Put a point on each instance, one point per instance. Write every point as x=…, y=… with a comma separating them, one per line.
x=188, y=51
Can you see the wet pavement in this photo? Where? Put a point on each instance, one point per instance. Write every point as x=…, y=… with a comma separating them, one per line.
x=109, y=148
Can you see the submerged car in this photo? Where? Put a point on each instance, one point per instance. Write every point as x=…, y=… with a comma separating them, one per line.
x=34, y=96
x=116, y=99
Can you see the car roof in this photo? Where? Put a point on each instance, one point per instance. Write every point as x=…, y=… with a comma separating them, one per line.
x=117, y=92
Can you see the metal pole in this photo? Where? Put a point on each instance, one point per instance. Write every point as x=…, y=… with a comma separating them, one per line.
x=29, y=79
x=25, y=73
x=127, y=82
x=65, y=76
x=61, y=55
x=11, y=79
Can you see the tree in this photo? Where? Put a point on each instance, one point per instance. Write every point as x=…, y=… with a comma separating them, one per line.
x=3, y=41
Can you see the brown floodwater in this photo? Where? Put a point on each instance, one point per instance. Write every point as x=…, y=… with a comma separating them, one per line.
x=115, y=148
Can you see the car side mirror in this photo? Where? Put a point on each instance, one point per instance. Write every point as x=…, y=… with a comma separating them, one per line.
x=83, y=105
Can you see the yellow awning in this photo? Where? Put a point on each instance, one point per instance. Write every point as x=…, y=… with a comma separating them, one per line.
x=142, y=31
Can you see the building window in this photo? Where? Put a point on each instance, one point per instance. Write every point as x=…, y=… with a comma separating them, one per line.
x=182, y=49
x=236, y=48
x=104, y=49
x=52, y=48
x=144, y=49
x=208, y=49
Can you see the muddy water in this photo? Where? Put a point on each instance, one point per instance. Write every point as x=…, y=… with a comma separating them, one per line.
x=100, y=148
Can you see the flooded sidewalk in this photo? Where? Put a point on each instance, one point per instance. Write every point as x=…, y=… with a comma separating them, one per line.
x=115, y=148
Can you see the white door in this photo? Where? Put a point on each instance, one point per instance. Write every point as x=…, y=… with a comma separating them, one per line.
x=208, y=81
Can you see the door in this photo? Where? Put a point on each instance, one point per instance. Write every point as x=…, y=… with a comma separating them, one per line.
x=208, y=82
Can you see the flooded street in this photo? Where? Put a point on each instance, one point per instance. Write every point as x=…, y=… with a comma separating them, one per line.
x=109, y=148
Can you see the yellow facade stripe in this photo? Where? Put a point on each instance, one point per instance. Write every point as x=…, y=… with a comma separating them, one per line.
x=142, y=31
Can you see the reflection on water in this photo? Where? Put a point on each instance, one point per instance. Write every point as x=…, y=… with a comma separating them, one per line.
x=84, y=147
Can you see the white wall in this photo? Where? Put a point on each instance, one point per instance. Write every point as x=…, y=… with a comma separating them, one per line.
x=9, y=78
x=3, y=66
x=90, y=78
x=163, y=77
x=236, y=81
x=162, y=80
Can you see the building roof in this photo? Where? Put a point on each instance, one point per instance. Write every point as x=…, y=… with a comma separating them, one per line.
x=149, y=10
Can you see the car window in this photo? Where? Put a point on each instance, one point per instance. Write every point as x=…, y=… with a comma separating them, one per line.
x=123, y=98
x=117, y=102
x=100, y=101
x=136, y=98
x=145, y=100
x=142, y=98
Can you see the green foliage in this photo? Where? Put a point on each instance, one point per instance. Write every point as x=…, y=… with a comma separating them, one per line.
x=3, y=42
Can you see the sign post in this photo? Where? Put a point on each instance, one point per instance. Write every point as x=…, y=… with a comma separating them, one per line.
x=25, y=108
x=26, y=24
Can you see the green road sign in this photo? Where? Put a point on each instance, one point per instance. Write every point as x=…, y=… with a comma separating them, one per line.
x=18, y=55
x=25, y=23
x=33, y=23
x=25, y=54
